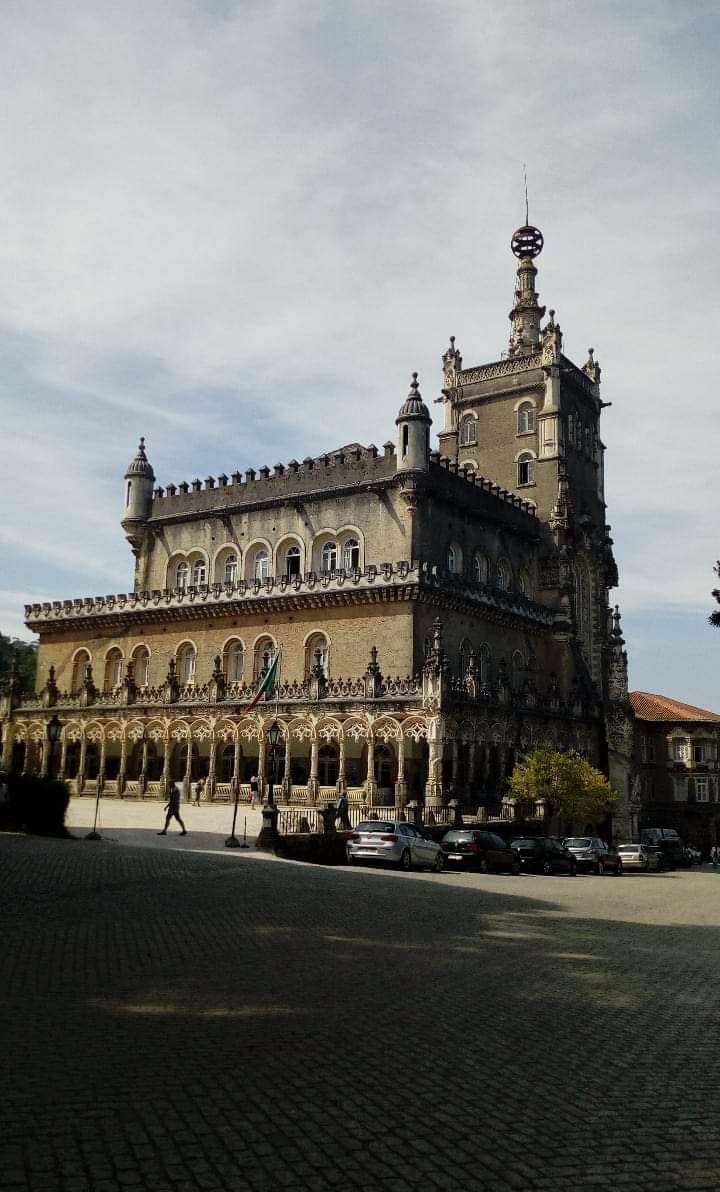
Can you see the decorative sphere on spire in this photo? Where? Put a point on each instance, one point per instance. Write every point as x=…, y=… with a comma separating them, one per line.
x=527, y=242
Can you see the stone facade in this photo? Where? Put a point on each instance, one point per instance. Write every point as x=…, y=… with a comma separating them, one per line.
x=437, y=612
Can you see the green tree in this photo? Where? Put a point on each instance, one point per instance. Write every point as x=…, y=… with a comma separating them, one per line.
x=714, y=618
x=25, y=656
x=573, y=788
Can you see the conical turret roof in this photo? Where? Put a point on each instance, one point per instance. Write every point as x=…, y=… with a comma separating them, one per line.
x=414, y=406
x=140, y=466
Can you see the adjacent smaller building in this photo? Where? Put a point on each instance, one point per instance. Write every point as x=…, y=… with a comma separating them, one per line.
x=676, y=766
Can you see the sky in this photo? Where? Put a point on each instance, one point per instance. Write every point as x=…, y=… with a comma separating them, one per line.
x=237, y=226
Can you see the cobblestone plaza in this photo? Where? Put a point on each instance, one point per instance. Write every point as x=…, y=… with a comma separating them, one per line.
x=177, y=1021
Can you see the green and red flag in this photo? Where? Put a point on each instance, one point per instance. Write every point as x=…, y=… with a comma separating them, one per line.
x=267, y=683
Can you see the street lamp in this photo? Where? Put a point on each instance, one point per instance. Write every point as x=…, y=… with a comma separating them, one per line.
x=54, y=728
x=273, y=738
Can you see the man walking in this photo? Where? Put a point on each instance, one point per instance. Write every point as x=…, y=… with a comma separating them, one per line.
x=341, y=812
x=172, y=808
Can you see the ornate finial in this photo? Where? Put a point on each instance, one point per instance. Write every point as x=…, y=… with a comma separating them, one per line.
x=617, y=628
x=414, y=386
x=527, y=241
x=591, y=353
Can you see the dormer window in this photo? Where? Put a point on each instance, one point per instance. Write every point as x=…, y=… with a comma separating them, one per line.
x=468, y=431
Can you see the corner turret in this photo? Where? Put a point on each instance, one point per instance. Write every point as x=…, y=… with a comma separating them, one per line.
x=139, y=481
x=413, y=423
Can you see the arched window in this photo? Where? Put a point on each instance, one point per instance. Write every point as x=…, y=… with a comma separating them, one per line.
x=227, y=762
x=468, y=430
x=384, y=766
x=182, y=575
x=113, y=669
x=464, y=657
x=234, y=660
x=480, y=567
x=525, y=418
x=80, y=664
x=454, y=559
x=292, y=561
x=328, y=765
x=186, y=663
x=141, y=666
x=518, y=670
x=261, y=567
x=524, y=583
x=199, y=573
x=230, y=570
x=484, y=663
x=504, y=575
x=318, y=642
x=328, y=557
x=351, y=554
x=264, y=653
x=526, y=469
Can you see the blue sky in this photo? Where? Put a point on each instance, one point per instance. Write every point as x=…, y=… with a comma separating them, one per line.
x=236, y=228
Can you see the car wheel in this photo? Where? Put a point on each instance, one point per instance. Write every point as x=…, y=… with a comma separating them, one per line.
x=515, y=868
x=573, y=871
x=483, y=865
x=547, y=868
x=406, y=860
x=599, y=868
x=619, y=869
x=439, y=863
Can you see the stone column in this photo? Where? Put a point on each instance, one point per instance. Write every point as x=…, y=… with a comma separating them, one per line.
x=455, y=761
x=26, y=759
x=434, y=784
x=261, y=765
x=8, y=746
x=44, y=757
x=472, y=765
x=188, y=769
x=313, y=781
x=210, y=784
x=101, y=767
x=287, y=769
x=63, y=756
x=144, y=760
x=81, y=766
x=370, y=783
x=401, y=784
x=236, y=765
x=166, y=764
x=123, y=764
x=341, y=780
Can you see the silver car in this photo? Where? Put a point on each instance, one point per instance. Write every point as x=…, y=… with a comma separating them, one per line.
x=393, y=843
x=639, y=856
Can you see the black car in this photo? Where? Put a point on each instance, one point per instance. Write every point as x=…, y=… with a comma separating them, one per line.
x=478, y=849
x=543, y=854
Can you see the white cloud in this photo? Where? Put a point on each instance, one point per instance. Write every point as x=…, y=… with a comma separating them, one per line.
x=236, y=227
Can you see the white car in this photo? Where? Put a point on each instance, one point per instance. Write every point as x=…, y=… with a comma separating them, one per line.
x=639, y=856
x=394, y=843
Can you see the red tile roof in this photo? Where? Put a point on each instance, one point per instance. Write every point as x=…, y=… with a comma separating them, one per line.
x=660, y=707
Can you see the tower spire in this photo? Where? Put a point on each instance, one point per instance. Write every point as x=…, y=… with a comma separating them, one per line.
x=526, y=314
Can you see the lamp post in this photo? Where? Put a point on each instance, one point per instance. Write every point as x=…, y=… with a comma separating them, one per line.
x=273, y=739
x=54, y=728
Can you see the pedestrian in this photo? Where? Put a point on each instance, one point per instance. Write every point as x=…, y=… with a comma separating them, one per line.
x=254, y=790
x=172, y=809
x=198, y=789
x=341, y=811
x=715, y=856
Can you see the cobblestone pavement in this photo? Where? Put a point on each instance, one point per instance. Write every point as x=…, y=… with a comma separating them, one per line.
x=177, y=1021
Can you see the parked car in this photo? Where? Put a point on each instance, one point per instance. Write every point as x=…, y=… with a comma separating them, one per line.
x=639, y=856
x=478, y=849
x=393, y=843
x=593, y=855
x=543, y=854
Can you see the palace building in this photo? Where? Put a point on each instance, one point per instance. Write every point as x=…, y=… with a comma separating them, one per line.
x=438, y=611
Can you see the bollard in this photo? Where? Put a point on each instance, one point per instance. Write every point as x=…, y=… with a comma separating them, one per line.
x=268, y=839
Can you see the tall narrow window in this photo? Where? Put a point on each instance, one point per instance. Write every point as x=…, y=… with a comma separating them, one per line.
x=468, y=431
x=261, y=568
x=199, y=573
x=113, y=669
x=230, y=570
x=526, y=418
x=480, y=567
x=328, y=557
x=518, y=670
x=292, y=561
x=141, y=666
x=504, y=575
x=79, y=671
x=405, y=437
x=317, y=650
x=181, y=576
x=351, y=554
x=186, y=664
x=234, y=660
x=526, y=469
x=484, y=663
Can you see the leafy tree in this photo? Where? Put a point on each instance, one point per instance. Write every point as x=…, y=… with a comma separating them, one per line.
x=572, y=787
x=714, y=618
x=25, y=656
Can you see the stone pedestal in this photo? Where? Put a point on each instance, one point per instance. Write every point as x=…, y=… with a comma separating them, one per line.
x=268, y=839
